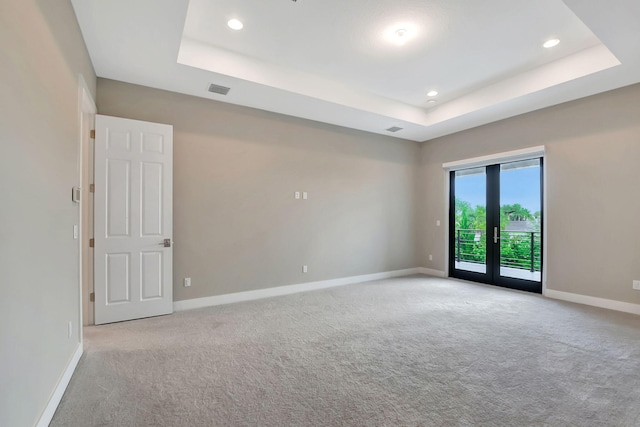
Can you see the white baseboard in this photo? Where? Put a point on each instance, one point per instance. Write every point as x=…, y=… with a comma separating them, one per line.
x=432, y=272
x=63, y=382
x=286, y=290
x=625, y=307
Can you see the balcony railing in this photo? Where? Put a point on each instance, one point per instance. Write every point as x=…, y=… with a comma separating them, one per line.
x=518, y=249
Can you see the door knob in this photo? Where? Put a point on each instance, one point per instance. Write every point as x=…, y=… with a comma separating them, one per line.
x=167, y=243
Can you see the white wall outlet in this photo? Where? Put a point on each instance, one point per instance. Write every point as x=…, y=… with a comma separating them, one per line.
x=296, y=195
x=75, y=231
x=430, y=257
x=636, y=285
x=187, y=282
x=437, y=223
x=70, y=329
x=305, y=269
x=305, y=196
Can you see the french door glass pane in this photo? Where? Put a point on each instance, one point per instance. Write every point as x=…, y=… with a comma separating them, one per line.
x=520, y=220
x=470, y=242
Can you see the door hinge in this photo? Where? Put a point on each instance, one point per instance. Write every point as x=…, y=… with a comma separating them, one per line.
x=91, y=242
x=92, y=297
x=92, y=134
x=92, y=188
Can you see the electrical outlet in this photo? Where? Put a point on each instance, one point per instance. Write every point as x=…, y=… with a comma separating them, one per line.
x=296, y=195
x=70, y=329
x=430, y=257
x=305, y=269
x=636, y=285
x=438, y=223
x=187, y=282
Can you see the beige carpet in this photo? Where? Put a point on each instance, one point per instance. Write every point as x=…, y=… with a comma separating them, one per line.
x=414, y=351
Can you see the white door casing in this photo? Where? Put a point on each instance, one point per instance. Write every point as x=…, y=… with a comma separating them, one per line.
x=86, y=118
x=133, y=219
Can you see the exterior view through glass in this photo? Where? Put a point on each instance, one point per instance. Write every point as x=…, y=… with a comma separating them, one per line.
x=471, y=220
x=520, y=220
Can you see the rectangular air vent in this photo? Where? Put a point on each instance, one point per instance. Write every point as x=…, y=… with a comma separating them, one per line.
x=222, y=90
x=394, y=129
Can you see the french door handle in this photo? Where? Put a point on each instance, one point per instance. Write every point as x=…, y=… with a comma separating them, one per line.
x=495, y=235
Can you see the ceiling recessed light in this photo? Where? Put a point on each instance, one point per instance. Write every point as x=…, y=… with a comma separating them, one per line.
x=551, y=43
x=432, y=93
x=235, y=24
x=401, y=36
x=400, y=33
x=431, y=101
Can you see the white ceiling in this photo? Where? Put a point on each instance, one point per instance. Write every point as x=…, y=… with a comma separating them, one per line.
x=332, y=60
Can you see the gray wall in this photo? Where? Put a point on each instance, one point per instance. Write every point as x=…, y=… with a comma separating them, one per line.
x=373, y=200
x=593, y=193
x=41, y=53
x=237, y=226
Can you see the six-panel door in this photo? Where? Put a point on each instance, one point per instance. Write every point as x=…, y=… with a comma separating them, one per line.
x=133, y=218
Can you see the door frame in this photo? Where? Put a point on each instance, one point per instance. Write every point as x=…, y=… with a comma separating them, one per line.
x=487, y=160
x=86, y=106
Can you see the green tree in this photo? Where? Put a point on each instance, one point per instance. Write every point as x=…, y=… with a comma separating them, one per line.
x=471, y=224
x=516, y=212
x=515, y=248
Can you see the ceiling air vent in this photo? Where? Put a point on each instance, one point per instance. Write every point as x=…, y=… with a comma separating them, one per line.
x=394, y=129
x=222, y=90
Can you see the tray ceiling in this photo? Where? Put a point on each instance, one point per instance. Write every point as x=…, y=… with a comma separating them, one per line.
x=370, y=64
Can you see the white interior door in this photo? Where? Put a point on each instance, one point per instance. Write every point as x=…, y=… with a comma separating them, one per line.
x=133, y=249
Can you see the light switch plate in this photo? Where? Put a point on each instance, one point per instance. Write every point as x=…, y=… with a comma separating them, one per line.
x=75, y=194
x=636, y=285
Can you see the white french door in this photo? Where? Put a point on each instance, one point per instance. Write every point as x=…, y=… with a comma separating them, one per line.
x=133, y=247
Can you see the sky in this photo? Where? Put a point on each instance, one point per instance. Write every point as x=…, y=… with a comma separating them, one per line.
x=516, y=186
